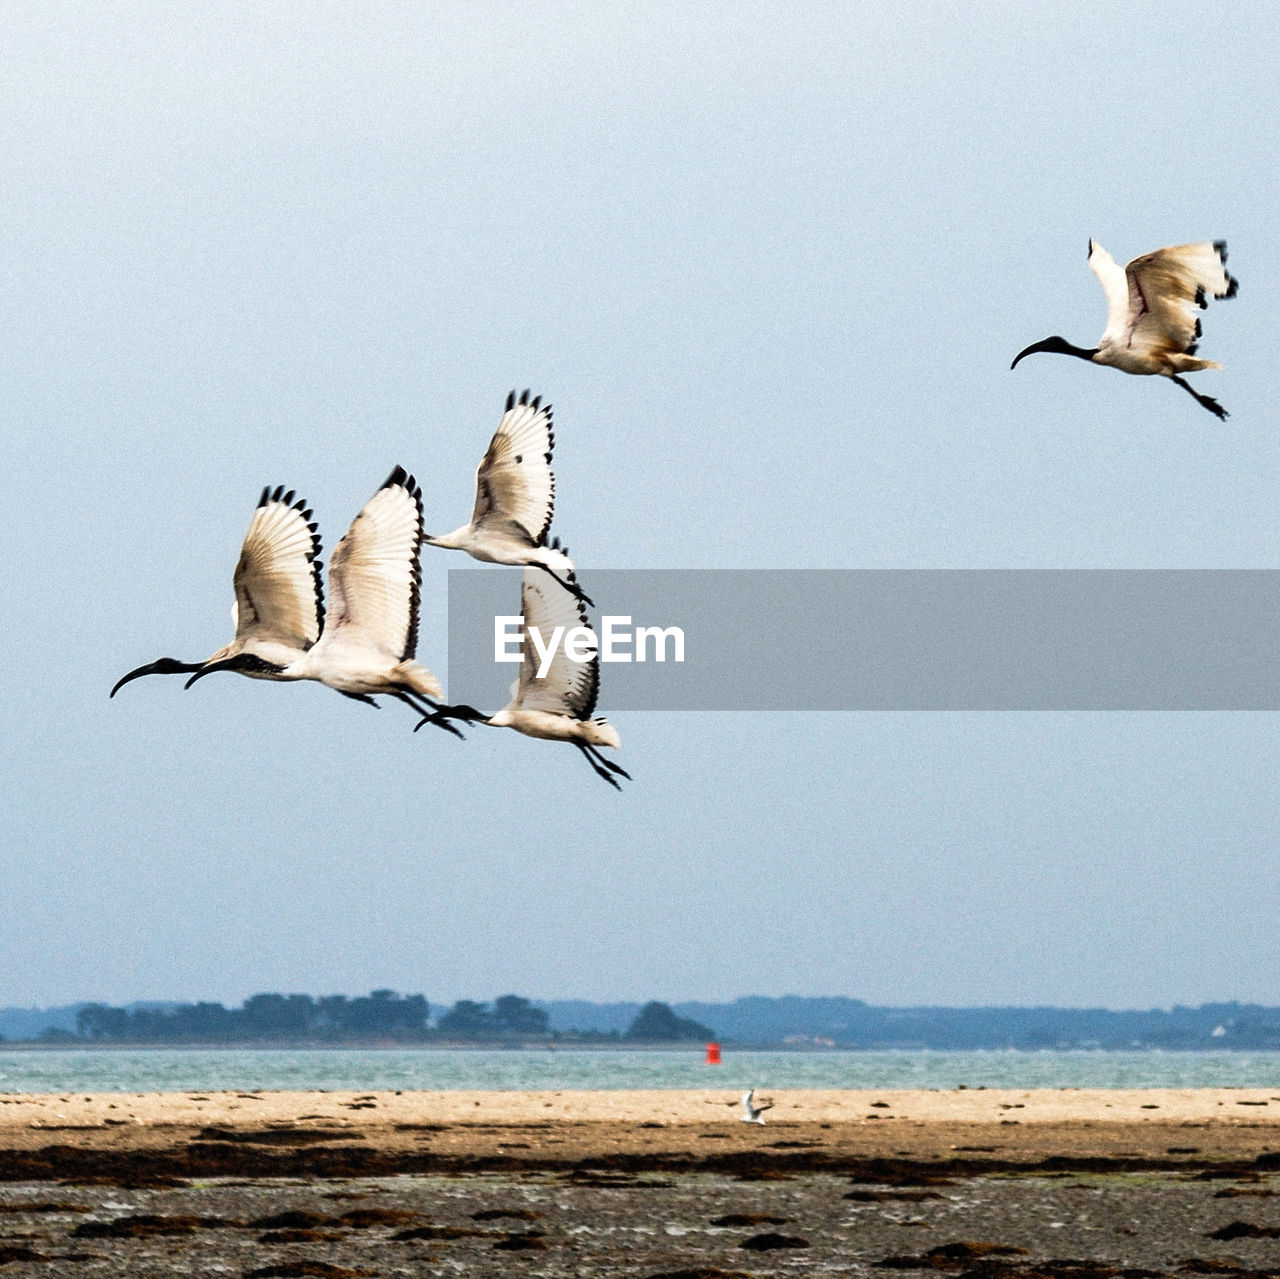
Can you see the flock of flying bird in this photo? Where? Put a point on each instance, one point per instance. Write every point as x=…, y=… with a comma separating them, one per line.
x=366, y=643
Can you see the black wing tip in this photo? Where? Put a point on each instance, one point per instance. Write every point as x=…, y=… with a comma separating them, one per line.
x=1233, y=285
x=402, y=479
x=290, y=499
x=571, y=576
x=415, y=578
x=1194, y=345
x=524, y=401
x=541, y=539
x=1202, y=299
x=277, y=494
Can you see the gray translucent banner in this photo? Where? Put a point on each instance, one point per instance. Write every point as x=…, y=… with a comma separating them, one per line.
x=908, y=640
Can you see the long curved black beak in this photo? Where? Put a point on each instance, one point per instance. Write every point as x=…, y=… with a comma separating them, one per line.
x=1046, y=345
x=161, y=666
x=1058, y=346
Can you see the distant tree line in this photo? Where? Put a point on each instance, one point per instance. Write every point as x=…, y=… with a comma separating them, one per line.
x=510, y=1015
x=795, y=1021
x=851, y=1023
x=379, y=1016
x=657, y=1023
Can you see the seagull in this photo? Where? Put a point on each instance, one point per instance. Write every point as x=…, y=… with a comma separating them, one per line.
x=751, y=1113
x=1151, y=321
x=279, y=606
x=369, y=640
x=557, y=707
x=515, y=497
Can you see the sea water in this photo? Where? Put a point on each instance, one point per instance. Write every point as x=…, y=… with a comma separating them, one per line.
x=135, y=1070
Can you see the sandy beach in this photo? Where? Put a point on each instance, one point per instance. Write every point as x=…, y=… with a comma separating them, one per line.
x=1001, y=1184
x=561, y=1127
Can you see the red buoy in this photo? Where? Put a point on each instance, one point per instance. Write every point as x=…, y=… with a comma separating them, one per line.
x=713, y=1054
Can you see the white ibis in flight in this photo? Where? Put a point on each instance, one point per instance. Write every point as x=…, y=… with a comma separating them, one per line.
x=1152, y=326
x=558, y=705
x=515, y=496
x=279, y=605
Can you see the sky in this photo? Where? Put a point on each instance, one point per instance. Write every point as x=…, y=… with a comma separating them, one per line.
x=770, y=263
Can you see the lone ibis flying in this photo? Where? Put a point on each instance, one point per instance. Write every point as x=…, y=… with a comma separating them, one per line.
x=279, y=606
x=1152, y=326
x=515, y=496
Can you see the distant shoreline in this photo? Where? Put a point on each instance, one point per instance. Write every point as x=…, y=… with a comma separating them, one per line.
x=690, y=1047
x=768, y=1023
x=392, y=1045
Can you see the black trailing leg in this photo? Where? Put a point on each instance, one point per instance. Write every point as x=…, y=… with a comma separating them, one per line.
x=429, y=710
x=442, y=714
x=362, y=697
x=600, y=771
x=1205, y=401
x=594, y=754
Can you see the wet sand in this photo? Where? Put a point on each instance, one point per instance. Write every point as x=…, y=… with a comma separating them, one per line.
x=687, y=1128
x=991, y=1184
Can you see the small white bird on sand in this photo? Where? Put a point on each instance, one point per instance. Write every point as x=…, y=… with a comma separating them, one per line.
x=515, y=497
x=279, y=605
x=751, y=1113
x=1152, y=327
x=558, y=707
x=370, y=637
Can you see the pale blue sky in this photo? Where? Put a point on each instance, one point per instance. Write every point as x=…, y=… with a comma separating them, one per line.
x=770, y=263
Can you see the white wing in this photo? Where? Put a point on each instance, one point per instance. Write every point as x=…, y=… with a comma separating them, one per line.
x=1164, y=290
x=515, y=489
x=374, y=576
x=277, y=578
x=1114, y=284
x=1173, y=284
x=569, y=687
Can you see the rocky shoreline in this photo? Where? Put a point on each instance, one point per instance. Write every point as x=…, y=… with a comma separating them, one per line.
x=649, y=1186
x=600, y=1221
